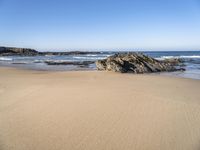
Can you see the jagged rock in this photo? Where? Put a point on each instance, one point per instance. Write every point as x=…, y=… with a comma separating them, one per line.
x=134, y=63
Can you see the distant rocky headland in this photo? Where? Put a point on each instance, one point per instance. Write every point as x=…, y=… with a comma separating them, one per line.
x=10, y=51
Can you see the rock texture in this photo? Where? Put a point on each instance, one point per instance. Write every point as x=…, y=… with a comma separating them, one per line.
x=134, y=63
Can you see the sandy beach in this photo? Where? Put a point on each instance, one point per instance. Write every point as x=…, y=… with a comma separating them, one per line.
x=90, y=110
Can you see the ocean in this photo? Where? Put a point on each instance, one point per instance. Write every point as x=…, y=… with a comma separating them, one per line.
x=191, y=61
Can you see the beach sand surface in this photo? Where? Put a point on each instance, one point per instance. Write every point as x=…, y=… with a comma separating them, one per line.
x=90, y=110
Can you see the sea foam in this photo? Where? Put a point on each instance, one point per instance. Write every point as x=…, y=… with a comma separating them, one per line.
x=170, y=57
x=5, y=59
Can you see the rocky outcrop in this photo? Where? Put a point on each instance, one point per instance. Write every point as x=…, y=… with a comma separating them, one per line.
x=134, y=63
x=78, y=63
x=7, y=51
x=10, y=51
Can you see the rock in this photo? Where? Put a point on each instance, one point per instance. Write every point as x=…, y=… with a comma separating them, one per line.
x=134, y=63
x=174, y=61
x=10, y=51
x=78, y=63
x=7, y=51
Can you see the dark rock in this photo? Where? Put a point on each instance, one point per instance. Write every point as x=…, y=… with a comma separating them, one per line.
x=79, y=63
x=8, y=51
x=19, y=63
x=181, y=69
x=174, y=61
x=134, y=63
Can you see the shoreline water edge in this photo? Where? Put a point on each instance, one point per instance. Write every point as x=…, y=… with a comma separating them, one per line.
x=73, y=61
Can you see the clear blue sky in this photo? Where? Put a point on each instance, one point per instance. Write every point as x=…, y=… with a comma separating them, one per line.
x=101, y=24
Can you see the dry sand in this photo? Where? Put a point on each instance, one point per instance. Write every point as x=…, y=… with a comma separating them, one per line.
x=92, y=110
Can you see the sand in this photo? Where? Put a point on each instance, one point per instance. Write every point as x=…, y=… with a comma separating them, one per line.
x=90, y=110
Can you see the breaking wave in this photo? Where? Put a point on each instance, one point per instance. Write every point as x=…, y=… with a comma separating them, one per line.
x=186, y=57
x=5, y=59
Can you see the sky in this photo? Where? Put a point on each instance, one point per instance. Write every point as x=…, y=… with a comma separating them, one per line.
x=100, y=24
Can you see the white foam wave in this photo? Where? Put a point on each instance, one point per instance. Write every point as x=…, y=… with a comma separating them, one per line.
x=170, y=57
x=38, y=61
x=5, y=59
x=89, y=58
x=91, y=55
x=194, y=56
x=57, y=61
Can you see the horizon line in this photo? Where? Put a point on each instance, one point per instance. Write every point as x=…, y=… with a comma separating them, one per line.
x=103, y=49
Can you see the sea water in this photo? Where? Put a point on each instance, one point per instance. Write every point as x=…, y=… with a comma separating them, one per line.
x=191, y=61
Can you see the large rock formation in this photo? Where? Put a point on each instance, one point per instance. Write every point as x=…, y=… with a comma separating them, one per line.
x=134, y=63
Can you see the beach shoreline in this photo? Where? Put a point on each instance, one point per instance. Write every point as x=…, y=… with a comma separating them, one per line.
x=189, y=61
x=174, y=74
x=97, y=110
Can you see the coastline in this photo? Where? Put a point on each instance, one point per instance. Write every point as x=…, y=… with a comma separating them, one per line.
x=174, y=74
x=189, y=61
x=97, y=110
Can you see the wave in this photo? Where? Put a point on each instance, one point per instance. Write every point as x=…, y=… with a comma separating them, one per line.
x=89, y=58
x=58, y=61
x=5, y=59
x=38, y=61
x=186, y=57
x=97, y=55
x=194, y=56
x=91, y=55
